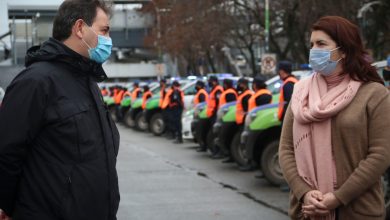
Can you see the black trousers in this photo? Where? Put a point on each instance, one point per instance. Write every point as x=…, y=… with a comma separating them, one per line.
x=176, y=113
x=166, y=119
x=203, y=127
x=118, y=111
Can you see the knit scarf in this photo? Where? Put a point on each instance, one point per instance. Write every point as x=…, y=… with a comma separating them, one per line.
x=313, y=107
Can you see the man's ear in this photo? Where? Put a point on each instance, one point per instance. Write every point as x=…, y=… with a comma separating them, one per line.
x=78, y=28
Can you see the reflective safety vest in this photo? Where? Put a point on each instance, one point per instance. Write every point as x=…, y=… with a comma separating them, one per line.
x=162, y=91
x=281, y=96
x=118, y=97
x=240, y=113
x=196, y=98
x=165, y=103
x=212, y=101
x=147, y=95
x=115, y=92
x=134, y=94
x=252, y=100
x=222, y=99
x=172, y=104
x=127, y=93
x=104, y=92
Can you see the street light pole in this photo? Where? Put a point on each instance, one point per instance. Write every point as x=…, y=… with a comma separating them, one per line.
x=361, y=14
x=14, y=51
x=158, y=18
x=266, y=25
x=158, y=29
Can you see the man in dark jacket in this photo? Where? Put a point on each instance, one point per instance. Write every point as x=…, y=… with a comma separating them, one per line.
x=176, y=106
x=58, y=143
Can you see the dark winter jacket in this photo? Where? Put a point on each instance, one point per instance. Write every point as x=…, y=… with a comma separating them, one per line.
x=58, y=144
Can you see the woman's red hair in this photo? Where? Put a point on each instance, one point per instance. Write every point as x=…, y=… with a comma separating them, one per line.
x=347, y=37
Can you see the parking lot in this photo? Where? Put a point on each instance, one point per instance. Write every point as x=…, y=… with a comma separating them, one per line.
x=161, y=180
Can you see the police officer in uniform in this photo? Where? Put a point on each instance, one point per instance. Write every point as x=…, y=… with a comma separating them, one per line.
x=118, y=99
x=287, y=88
x=262, y=96
x=167, y=114
x=201, y=94
x=241, y=109
x=212, y=107
x=228, y=95
x=286, y=91
x=147, y=94
x=164, y=106
x=136, y=93
x=176, y=106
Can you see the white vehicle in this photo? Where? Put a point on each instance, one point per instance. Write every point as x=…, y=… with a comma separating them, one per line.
x=2, y=93
x=380, y=65
x=154, y=117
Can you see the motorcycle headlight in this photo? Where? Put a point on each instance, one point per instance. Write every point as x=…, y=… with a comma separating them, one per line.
x=248, y=120
x=188, y=116
x=221, y=112
x=197, y=111
x=188, y=113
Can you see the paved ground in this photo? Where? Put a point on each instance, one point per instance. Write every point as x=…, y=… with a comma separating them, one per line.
x=159, y=180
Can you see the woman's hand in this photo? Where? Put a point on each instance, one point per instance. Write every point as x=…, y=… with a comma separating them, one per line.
x=330, y=201
x=3, y=216
x=313, y=204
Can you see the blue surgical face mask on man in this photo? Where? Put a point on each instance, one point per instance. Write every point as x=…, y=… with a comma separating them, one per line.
x=102, y=51
x=320, y=61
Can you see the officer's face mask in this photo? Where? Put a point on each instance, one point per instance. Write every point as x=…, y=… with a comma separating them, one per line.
x=239, y=88
x=320, y=61
x=211, y=84
x=102, y=51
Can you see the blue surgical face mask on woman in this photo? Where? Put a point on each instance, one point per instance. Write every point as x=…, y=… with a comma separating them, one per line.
x=320, y=61
x=102, y=51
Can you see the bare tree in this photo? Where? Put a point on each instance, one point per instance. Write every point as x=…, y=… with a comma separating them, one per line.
x=194, y=31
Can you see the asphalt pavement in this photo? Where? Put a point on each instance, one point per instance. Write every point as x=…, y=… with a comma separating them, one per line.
x=160, y=180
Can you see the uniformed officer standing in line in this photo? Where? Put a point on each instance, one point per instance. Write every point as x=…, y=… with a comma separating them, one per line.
x=286, y=91
x=117, y=100
x=136, y=93
x=287, y=88
x=241, y=109
x=104, y=91
x=261, y=97
x=147, y=94
x=228, y=95
x=163, y=92
x=201, y=94
x=167, y=111
x=176, y=106
x=203, y=128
